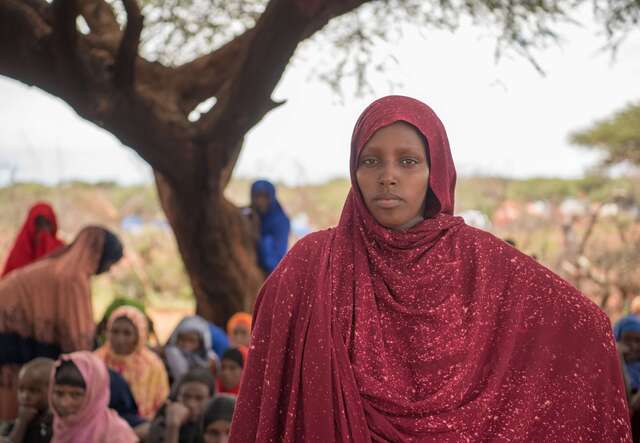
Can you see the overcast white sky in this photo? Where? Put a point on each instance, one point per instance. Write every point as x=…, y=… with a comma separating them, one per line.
x=501, y=118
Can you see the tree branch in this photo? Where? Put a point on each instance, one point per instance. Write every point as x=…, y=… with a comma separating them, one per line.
x=282, y=26
x=21, y=27
x=101, y=19
x=124, y=75
x=65, y=13
x=31, y=52
x=592, y=222
x=205, y=76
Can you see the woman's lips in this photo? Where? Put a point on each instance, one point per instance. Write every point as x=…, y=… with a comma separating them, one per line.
x=387, y=201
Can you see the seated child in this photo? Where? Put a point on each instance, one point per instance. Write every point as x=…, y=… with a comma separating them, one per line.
x=178, y=420
x=231, y=372
x=34, y=421
x=216, y=421
x=189, y=347
x=79, y=400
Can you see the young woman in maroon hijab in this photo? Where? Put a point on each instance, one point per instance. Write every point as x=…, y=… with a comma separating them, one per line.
x=403, y=324
x=36, y=239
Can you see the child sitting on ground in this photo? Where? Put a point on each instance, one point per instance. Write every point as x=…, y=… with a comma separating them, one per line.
x=231, y=372
x=79, y=401
x=178, y=421
x=34, y=421
x=216, y=421
x=189, y=347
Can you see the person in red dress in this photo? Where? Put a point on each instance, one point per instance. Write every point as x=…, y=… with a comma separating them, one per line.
x=404, y=324
x=37, y=238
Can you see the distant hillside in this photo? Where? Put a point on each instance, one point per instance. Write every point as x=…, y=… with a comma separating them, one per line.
x=153, y=269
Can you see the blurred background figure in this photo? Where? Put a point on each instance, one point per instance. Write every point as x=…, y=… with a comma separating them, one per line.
x=47, y=307
x=239, y=329
x=179, y=420
x=126, y=352
x=231, y=372
x=37, y=238
x=274, y=225
x=34, y=422
x=189, y=347
x=627, y=335
x=79, y=401
x=216, y=421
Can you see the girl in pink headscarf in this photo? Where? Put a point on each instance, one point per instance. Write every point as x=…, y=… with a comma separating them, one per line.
x=79, y=397
x=403, y=324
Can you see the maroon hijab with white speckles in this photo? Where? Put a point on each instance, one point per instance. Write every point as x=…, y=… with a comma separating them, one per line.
x=442, y=333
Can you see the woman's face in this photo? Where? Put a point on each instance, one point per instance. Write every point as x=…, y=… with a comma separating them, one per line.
x=217, y=432
x=241, y=336
x=261, y=202
x=189, y=341
x=393, y=176
x=123, y=336
x=67, y=400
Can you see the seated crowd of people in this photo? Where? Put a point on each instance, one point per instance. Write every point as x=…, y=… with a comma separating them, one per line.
x=131, y=391
x=65, y=379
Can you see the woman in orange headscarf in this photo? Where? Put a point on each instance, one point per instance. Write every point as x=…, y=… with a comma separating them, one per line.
x=46, y=307
x=239, y=331
x=36, y=239
x=126, y=352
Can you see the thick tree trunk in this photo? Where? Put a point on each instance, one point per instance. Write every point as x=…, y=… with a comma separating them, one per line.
x=146, y=105
x=217, y=249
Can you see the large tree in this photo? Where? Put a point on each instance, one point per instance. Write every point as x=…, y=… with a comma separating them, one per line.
x=143, y=82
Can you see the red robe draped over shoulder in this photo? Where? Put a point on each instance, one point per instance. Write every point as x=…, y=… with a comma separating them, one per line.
x=442, y=333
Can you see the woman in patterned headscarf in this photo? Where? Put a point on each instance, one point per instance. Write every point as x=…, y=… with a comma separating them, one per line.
x=126, y=352
x=404, y=324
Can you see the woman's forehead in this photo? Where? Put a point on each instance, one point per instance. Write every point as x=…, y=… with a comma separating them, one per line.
x=121, y=321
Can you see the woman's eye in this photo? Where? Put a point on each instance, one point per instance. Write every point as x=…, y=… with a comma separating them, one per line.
x=409, y=161
x=369, y=161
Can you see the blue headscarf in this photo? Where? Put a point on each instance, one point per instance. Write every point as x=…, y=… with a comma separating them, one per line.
x=274, y=229
x=630, y=323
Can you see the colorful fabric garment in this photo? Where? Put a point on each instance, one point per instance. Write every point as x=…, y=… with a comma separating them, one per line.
x=219, y=339
x=31, y=244
x=95, y=423
x=47, y=310
x=122, y=401
x=143, y=370
x=274, y=229
x=440, y=333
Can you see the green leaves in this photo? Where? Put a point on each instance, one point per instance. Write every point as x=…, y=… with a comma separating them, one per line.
x=617, y=136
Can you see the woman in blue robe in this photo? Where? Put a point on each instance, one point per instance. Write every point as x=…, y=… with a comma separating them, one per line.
x=274, y=225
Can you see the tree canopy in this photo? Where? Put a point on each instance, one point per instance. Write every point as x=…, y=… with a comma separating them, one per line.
x=617, y=136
